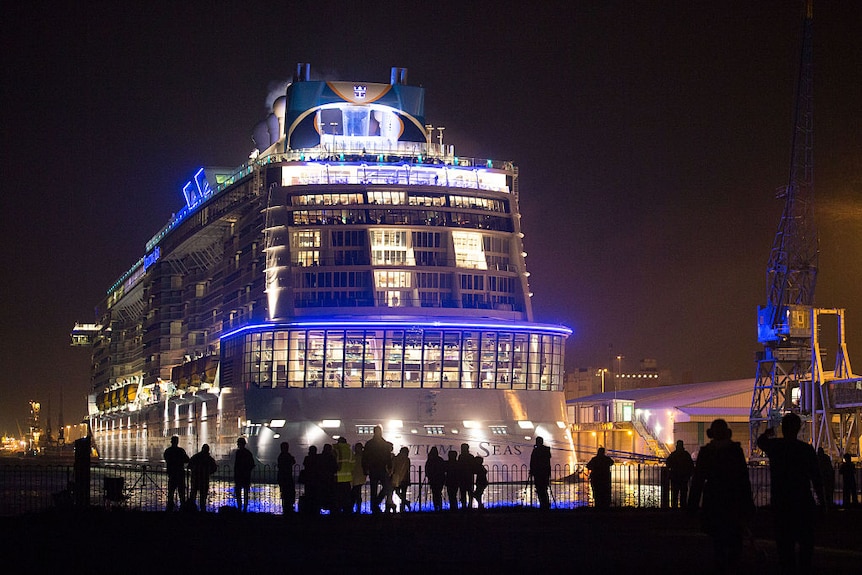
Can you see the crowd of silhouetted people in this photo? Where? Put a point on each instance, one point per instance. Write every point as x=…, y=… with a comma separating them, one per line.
x=334, y=477
x=715, y=486
x=801, y=481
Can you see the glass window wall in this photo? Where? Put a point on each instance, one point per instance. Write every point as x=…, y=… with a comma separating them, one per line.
x=415, y=358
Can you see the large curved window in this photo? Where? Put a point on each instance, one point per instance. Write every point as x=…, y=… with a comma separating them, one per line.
x=409, y=358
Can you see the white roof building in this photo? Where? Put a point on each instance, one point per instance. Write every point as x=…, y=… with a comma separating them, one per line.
x=647, y=422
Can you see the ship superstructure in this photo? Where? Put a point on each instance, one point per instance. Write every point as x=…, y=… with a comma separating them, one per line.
x=352, y=273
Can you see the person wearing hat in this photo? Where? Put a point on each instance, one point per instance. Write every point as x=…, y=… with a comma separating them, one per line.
x=721, y=480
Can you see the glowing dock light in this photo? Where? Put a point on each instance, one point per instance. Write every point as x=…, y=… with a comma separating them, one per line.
x=277, y=423
x=526, y=424
x=330, y=423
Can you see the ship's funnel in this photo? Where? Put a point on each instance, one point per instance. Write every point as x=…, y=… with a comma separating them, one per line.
x=278, y=108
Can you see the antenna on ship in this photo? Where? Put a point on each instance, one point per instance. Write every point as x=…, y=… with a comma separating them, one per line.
x=398, y=76
x=302, y=73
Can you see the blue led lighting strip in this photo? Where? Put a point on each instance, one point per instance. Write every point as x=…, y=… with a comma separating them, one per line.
x=402, y=324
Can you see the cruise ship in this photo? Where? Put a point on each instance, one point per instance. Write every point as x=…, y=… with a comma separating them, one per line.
x=353, y=272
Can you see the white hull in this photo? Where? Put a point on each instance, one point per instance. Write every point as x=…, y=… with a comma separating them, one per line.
x=495, y=423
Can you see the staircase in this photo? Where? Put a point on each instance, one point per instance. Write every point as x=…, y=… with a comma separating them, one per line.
x=658, y=448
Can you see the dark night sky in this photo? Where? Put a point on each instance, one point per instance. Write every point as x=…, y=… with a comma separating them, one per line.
x=651, y=137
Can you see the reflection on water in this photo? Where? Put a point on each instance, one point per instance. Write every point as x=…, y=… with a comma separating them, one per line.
x=33, y=488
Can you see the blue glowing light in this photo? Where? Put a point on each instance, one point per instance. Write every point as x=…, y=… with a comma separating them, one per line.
x=197, y=189
x=152, y=257
x=404, y=324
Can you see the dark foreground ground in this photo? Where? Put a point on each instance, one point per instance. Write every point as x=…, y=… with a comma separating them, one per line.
x=495, y=541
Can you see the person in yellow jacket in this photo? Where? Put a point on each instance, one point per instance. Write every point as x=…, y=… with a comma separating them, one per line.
x=344, y=476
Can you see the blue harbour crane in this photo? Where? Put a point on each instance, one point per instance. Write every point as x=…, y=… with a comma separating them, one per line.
x=790, y=373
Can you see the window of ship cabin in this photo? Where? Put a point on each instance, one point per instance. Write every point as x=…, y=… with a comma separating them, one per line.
x=348, y=238
x=428, y=201
x=306, y=258
x=297, y=356
x=396, y=238
x=393, y=358
x=386, y=197
x=392, y=279
x=306, y=239
x=426, y=239
x=327, y=199
x=474, y=203
x=470, y=364
x=469, y=251
x=349, y=247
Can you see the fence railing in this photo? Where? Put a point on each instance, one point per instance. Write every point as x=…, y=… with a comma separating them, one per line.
x=26, y=488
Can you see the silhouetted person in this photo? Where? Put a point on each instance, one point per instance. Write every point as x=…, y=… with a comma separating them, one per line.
x=847, y=470
x=721, y=479
x=243, y=463
x=793, y=471
x=481, y=482
x=435, y=472
x=310, y=502
x=376, y=460
x=360, y=476
x=401, y=477
x=540, y=469
x=286, y=483
x=201, y=466
x=453, y=479
x=600, y=478
x=389, y=487
x=466, y=474
x=680, y=466
x=827, y=475
x=175, y=464
x=328, y=468
x=343, y=476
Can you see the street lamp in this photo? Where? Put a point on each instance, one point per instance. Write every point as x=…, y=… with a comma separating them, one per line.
x=620, y=369
x=602, y=373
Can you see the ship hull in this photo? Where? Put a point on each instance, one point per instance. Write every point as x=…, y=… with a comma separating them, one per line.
x=499, y=425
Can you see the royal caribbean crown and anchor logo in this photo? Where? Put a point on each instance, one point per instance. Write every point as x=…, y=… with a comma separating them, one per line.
x=359, y=91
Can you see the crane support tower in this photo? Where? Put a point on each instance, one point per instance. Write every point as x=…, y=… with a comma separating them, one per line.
x=791, y=376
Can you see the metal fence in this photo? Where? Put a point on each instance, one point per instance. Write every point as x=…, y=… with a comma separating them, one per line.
x=26, y=488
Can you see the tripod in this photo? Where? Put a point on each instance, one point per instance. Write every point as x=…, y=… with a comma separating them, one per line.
x=145, y=481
